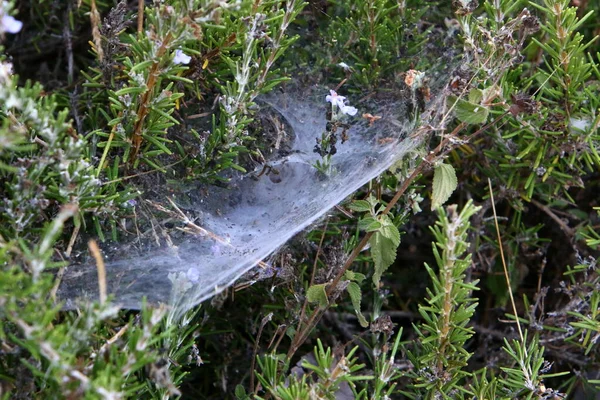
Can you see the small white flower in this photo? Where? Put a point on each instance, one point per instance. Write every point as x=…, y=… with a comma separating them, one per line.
x=335, y=99
x=10, y=24
x=344, y=66
x=5, y=72
x=12, y=102
x=339, y=102
x=349, y=110
x=181, y=57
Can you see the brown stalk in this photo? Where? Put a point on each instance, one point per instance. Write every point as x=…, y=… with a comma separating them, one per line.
x=142, y=112
x=263, y=323
x=312, y=277
x=255, y=6
x=140, y=16
x=95, y=21
x=443, y=148
x=372, y=39
x=276, y=43
x=302, y=335
x=570, y=232
x=506, y=274
x=95, y=250
x=124, y=178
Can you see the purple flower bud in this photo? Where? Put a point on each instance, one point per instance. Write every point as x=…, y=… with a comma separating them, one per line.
x=181, y=57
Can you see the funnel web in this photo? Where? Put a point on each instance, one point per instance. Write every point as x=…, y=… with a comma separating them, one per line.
x=259, y=211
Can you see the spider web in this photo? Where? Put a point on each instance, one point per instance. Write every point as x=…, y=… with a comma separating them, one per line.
x=239, y=225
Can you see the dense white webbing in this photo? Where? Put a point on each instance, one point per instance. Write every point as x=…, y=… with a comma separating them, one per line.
x=254, y=217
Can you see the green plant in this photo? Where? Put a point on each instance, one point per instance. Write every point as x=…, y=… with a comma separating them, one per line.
x=114, y=103
x=375, y=39
x=440, y=358
x=326, y=146
x=329, y=374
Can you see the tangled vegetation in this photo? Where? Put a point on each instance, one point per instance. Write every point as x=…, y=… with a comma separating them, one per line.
x=395, y=293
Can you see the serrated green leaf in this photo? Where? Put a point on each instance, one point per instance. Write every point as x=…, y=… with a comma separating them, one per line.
x=358, y=277
x=444, y=183
x=356, y=297
x=389, y=230
x=317, y=294
x=354, y=276
x=383, y=251
x=360, y=206
x=369, y=224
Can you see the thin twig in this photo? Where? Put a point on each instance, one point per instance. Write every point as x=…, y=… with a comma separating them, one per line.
x=312, y=277
x=124, y=178
x=302, y=335
x=508, y=286
x=140, y=16
x=72, y=240
x=263, y=323
x=199, y=229
x=95, y=21
x=58, y=278
x=338, y=87
x=68, y=39
x=144, y=105
x=113, y=339
x=61, y=270
x=95, y=250
x=279, y=334
x=107, y=148
x=564, y=227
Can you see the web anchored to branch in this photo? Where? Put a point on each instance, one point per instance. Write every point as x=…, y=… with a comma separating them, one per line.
x=241, y=224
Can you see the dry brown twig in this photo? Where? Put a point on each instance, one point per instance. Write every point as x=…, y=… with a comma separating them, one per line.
x=95, y=250
x=267, y=318
x=570, y=232
x=506, y=275
x=140, y=16
x=143, y=108
x=95, y=21
x=190, y=227
x=312, y=277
